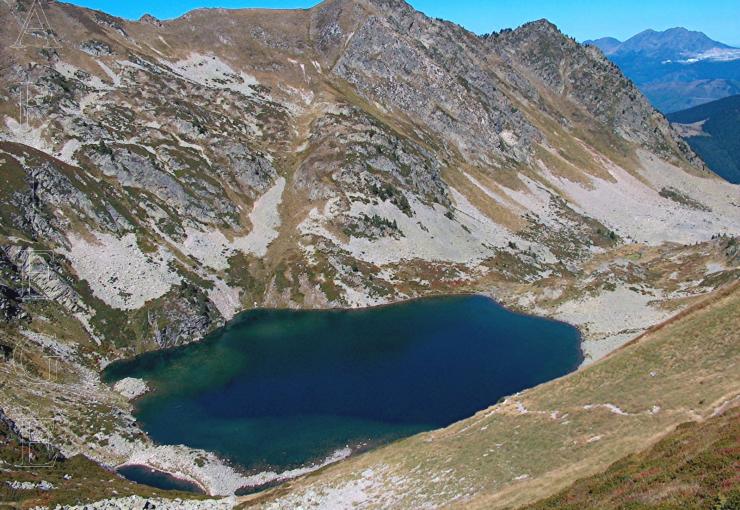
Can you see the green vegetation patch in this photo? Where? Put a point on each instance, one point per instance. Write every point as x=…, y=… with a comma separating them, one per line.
x=683, y=198
x=387, y=191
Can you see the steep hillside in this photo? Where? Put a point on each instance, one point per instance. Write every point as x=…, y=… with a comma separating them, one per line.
x=539, y=441
x=677, y=68
x=693, y=467
x=713, y=131
x=161, y=177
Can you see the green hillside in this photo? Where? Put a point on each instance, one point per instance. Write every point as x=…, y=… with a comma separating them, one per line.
x=718, y=142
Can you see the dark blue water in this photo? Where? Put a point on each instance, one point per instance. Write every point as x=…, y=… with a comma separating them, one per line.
x=158, y=479
x=282, y=389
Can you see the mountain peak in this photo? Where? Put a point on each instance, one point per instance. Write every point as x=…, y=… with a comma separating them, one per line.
x=537, y=30
x=669, y=44
x=668, y=66
x=150, y=20
x=541, y=24
x=607, y=45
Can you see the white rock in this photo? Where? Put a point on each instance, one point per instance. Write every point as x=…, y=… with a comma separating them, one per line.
x=131, y=388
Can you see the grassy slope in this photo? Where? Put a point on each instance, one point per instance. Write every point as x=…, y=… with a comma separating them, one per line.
x=695, y=466
x=721, y=149
x=542, y=440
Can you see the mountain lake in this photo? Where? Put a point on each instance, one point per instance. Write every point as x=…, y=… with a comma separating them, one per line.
x=276, y=390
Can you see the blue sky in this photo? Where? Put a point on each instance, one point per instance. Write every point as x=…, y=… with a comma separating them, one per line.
x=582, y=19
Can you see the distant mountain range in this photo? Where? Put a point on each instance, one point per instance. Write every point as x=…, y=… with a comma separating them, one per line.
x=676, y=69
x=713, y=131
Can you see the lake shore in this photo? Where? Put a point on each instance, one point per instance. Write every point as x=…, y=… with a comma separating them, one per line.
x=214, y=475
x=471, y=339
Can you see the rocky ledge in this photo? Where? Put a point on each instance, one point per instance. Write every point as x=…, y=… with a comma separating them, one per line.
x=131, y=388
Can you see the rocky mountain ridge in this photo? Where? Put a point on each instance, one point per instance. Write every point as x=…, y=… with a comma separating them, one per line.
x=165, y=176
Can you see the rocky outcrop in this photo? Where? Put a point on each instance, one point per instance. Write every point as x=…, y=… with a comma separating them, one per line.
x=186, y=316
x=40, y=452
x=377, y=161
x=96, y=48
x=150, y=20
x=131, y=388
x=253, y=173
x=10, y=308
x=436, y=75
x=52, y=189
x=133, y=169
x=42, y=278
x=10, y=297
x=8, y=426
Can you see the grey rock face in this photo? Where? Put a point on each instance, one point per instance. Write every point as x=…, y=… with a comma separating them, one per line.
x=188, y=195
x=106, y=20
x=44, y=277
x=253, y=173
x=54, y=192
x=35, y=222
x=133, y=169
x=150, y=20
x=326, y=30
x=52, y=189
x=185, y=318
x=374, y=159
x=10, y=298
x=415, y=67
x=96, y=48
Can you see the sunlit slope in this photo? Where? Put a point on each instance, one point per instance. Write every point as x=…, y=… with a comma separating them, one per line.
x=693, y=467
